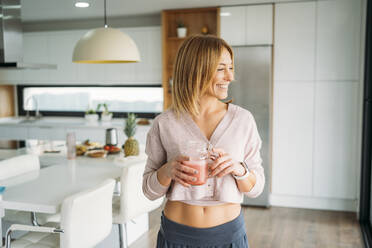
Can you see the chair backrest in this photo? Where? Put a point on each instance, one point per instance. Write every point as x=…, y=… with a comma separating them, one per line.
x=86, y=217
x=133, y=202
x=18, y=165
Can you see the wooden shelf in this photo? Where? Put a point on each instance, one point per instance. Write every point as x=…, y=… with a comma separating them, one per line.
x=7, y=108
x=194, y=20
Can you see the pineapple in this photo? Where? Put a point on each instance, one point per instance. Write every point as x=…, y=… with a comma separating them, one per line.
x=131, y=146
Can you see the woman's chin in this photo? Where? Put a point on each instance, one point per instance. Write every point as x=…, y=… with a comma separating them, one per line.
x=222, y=96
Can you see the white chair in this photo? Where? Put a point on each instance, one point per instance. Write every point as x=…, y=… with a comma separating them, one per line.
x=132, y=202
x=86, y=219
x=18, y=165
x=15, y=166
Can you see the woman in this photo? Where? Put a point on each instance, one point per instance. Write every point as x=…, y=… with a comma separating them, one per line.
x=208, y=215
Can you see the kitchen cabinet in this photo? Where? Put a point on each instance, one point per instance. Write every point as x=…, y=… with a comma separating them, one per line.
x=294, y=49
x=10, y=76
x=318, y=40
x=259, y=24
x=56, y=48
x=233, y=25
x=46, y=133
x=293, y=138
x=335, y=140
x=60, y=43
x=92, y=73
x=13, y=133
x=317, y=50
x=247, y=25
x=338, y=40
x=36, y=50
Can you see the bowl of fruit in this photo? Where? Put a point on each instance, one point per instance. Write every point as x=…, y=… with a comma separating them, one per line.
x=112, y=149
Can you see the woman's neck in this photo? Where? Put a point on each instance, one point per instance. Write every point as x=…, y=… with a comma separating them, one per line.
x=210, y=105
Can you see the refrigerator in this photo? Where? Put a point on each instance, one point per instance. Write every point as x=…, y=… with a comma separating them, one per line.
x=252, y=90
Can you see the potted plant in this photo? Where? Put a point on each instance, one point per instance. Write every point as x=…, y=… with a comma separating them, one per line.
x=91, y=115
x=181, y=29
x=105, y=115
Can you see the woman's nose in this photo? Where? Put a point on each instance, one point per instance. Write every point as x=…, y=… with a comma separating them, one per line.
x=229, y=75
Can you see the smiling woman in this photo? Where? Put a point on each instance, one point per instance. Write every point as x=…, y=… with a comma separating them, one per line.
x=206, y=215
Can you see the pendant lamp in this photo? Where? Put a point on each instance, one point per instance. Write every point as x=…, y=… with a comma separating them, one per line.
x=105, y=45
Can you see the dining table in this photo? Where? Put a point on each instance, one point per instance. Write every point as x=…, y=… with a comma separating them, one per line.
x=43, y=191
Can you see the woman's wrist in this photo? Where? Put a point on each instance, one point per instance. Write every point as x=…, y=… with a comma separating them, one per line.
x=244, y=175
x=241, y=171
x=162, y=175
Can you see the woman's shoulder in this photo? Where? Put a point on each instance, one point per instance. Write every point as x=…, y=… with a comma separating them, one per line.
x=165, y=117
x=240, y=112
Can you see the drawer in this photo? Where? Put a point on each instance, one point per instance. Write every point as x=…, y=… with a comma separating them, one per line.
x=46, y=133
x=13, y=133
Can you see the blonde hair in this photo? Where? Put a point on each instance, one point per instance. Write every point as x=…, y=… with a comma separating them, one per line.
x=194, y=68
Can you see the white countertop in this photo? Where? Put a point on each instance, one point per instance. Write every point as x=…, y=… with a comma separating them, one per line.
x=63, y=122
x=44, y=190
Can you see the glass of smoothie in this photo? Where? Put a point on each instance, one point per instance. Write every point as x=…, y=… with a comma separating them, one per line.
x=198, y=160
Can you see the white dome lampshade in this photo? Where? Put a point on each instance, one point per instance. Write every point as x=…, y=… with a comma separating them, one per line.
x=105, y=45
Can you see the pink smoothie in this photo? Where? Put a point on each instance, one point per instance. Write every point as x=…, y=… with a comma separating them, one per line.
x=202, y=167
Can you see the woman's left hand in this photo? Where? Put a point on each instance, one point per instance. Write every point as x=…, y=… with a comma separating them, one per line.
x=224, y=165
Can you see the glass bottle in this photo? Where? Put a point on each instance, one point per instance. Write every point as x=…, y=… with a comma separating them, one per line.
x=71, y=145
x=198, y=160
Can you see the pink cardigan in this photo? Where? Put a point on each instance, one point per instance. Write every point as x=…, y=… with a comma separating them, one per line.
x=236, y=134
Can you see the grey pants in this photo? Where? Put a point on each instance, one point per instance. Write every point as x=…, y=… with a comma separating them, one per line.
x=229, y=235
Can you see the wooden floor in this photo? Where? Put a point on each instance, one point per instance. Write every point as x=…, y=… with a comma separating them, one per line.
x=278, y=227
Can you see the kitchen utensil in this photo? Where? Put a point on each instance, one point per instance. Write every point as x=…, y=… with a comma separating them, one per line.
x=111, y=136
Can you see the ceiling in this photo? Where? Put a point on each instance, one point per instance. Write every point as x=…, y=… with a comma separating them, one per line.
x=41, y=10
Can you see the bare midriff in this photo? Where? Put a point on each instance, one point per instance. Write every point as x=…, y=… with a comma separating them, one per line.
x=201, y=216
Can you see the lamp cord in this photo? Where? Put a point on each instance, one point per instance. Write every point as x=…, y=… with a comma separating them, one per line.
x=105, y=15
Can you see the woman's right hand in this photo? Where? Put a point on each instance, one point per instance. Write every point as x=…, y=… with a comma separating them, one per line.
x=179, y=172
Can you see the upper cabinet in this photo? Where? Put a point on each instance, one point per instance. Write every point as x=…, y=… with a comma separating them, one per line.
x=318, y=41
x=294, y=51
x=36, y=50
x=247, y=25
x=233, y=25
x=259, y=24
x=56, y=48
x=338, y=40
x=60, y=43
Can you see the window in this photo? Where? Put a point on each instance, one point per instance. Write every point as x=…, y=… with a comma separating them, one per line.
x=144, y=100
